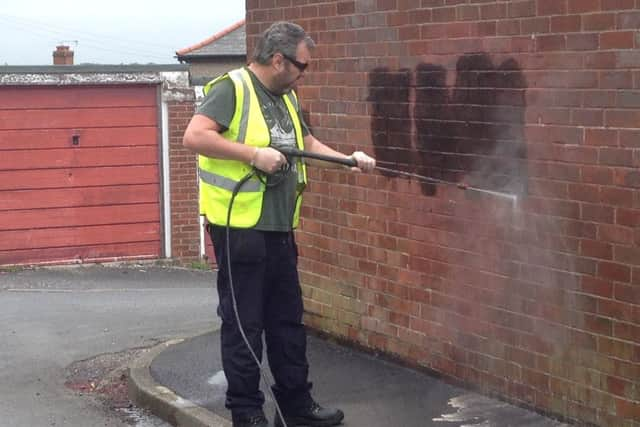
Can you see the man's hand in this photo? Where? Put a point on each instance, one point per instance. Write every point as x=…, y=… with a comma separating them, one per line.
x=365, y=162
x=268, y=159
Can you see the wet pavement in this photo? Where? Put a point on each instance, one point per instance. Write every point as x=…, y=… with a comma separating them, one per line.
x=372, y=392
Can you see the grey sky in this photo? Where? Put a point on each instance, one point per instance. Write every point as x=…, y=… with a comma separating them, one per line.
x=109, y=32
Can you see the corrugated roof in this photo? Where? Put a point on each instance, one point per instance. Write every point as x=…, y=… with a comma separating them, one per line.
x=229, y=42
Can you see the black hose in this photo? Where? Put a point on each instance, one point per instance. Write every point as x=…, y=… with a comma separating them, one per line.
x=264, y=376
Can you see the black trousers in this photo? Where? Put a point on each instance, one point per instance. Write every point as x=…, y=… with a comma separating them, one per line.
x=269, y=300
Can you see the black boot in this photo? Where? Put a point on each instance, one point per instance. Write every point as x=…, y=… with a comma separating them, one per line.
x=312, y=415
x=256, y=419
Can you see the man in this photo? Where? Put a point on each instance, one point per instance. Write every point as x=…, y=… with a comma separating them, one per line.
x=246, y=116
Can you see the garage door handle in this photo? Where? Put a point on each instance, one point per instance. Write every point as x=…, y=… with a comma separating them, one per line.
x=75, y=139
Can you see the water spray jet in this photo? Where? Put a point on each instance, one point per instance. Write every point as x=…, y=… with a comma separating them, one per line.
x=348, y=161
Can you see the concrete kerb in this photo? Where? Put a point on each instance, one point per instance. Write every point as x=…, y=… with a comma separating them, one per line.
x=163, y=402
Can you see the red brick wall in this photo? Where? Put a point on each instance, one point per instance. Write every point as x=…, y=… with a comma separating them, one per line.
x=539, y=301
x=185, y=231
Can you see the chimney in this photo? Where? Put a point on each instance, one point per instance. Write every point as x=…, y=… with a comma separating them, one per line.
x=63, y=55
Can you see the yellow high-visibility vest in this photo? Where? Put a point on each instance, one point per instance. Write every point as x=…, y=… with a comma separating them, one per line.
x=219, y=177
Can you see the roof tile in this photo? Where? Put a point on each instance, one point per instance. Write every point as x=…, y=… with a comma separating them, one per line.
x=230, y=41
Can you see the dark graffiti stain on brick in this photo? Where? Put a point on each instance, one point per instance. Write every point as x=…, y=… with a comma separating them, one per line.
x=473, y=131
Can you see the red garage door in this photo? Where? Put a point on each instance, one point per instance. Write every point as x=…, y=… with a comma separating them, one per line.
x=79, y=177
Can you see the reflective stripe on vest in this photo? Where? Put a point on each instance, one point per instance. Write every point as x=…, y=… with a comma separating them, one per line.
x=228, y=183
x=244, y=119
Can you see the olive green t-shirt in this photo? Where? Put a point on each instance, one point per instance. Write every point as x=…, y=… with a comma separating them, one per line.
x=279, y=200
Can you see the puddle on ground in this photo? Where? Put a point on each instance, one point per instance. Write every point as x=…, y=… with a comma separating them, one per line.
x=474, y=410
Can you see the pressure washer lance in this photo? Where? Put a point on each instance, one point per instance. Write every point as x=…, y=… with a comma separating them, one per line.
x=349, y=161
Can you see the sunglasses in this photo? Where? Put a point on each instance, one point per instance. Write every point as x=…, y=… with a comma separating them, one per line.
x=301, y=66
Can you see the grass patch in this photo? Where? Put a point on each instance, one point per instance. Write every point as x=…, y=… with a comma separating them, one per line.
x=200, y=265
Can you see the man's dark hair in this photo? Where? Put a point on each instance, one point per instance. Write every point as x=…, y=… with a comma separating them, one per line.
x=282, y=37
